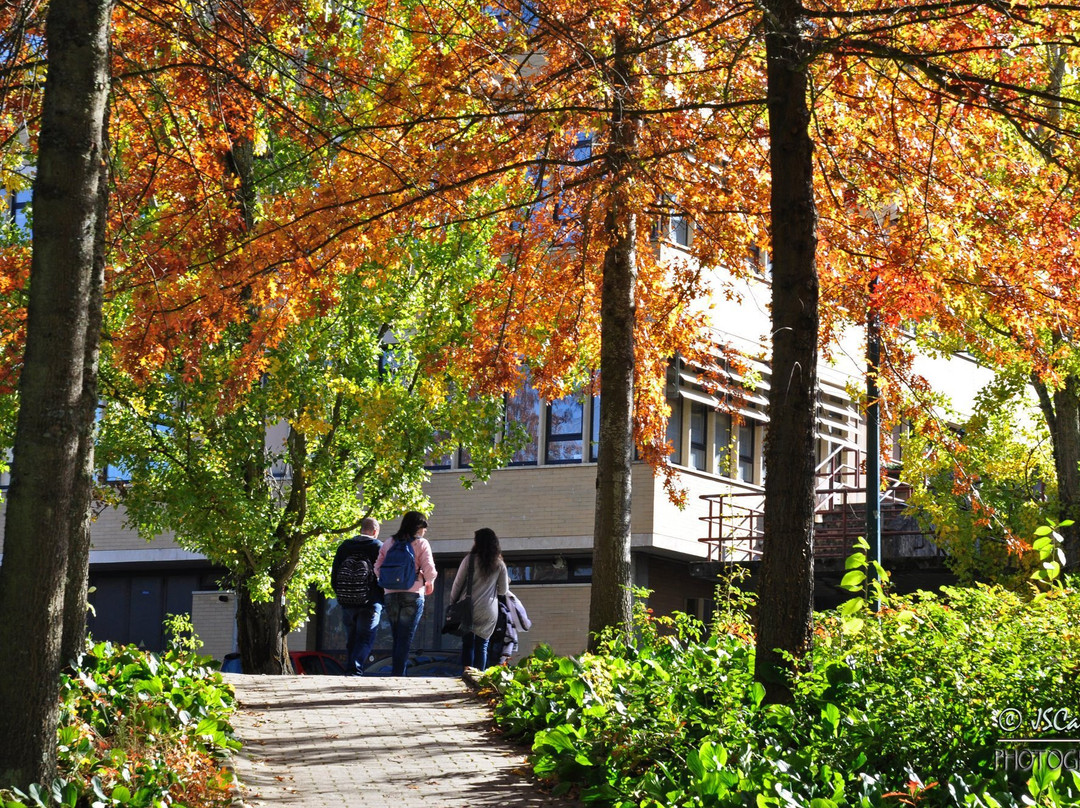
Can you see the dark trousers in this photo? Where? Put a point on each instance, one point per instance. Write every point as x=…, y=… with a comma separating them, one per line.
x=361, y=623
x=474, y=651
x=403, y=610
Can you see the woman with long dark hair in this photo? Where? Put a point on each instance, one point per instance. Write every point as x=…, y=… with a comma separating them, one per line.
x=404, y=602
x=482, y=576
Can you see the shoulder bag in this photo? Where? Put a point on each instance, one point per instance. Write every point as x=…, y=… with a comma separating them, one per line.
x=459, y=613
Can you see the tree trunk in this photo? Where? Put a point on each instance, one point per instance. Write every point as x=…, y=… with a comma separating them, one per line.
x=49, y=463
x=610, y=601
x=1061, y=409
x=75, y=592
x=786, y=595
x=261, y=631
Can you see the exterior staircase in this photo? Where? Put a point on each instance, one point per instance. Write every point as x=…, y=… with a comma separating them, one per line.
x=735, y=519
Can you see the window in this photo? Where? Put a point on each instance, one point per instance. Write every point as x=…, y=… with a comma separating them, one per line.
x=722, y=444
x=111, y=473
x=674, y=430
x=594, y=430
x=564, y=423
x=672, y=224
x=759, y=260
x=679, y=229
x=434, y=458
x=464, y=458
x=698, y=419
x=747, y=451
x=18, y=203
x=523, y=417
x=549, y=571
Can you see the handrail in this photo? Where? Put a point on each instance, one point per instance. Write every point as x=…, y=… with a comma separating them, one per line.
x=736, y=526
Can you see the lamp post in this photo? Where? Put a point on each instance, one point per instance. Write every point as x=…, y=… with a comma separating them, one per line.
x=873, y=432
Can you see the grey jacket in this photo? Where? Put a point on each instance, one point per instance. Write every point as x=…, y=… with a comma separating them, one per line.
x=485, y=588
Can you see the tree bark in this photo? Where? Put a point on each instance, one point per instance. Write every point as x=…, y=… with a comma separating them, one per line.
x=75, y=592
x=1061, y=409
x=610, y=601
x=786, y=594
x=51, y=440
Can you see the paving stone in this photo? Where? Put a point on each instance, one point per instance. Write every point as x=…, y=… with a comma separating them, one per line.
x=375, y=741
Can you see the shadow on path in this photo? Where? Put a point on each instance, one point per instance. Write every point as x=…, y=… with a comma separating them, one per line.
x=316, y=740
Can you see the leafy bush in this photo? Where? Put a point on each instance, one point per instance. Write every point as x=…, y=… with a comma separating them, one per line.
x=898, y=706
x=140, y=730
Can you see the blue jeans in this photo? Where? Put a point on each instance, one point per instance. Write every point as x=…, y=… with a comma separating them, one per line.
x=474, y=651
x=361, y=623
x=403, y=610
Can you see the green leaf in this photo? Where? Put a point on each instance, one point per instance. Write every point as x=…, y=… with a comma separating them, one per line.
x=853, y=580
x=855, y=560
x=555, y=738
x=839, y=673
x=757, y=693
x=852, y=625
x=693, y=763
x=852, y=606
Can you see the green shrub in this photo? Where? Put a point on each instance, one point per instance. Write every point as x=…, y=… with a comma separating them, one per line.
x=898, y=706
x=140, y=730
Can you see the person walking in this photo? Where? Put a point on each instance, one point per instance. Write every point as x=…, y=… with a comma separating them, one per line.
x=406, y=572
x=356, y=587
x=484, y=565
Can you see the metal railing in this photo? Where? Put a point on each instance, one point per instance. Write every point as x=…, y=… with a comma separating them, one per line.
x=735, y=519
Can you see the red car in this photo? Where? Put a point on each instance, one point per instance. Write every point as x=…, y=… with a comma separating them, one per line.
x=316, y=663
x=309, y=663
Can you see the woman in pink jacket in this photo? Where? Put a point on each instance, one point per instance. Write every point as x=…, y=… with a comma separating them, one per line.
x=403, y=608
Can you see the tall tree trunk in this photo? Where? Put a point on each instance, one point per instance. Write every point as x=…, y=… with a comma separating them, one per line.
x=75, y=591
x=610, y=602
x=49, y=462
x=261, y=631
x=786, y=595
x=1061, y=409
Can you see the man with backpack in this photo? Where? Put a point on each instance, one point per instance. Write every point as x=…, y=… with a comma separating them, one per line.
x=357, y=589
x=406, y=572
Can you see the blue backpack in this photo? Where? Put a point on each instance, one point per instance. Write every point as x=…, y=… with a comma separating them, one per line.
x=398, y=570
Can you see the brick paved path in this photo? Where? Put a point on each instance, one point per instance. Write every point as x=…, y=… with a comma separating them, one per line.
x=331, y=741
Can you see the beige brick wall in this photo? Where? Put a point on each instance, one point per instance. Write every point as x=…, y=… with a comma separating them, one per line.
x=530, y=508
x=109, y=532
x=215, y=623
x=560, y=617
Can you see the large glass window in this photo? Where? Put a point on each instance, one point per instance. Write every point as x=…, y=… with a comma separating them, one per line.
x=698, y=420
x=565, y=418
x=523, y=416
x=747, y=451
x=674, y=430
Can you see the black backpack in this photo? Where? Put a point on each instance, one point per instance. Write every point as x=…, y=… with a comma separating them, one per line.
x=353, y=579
